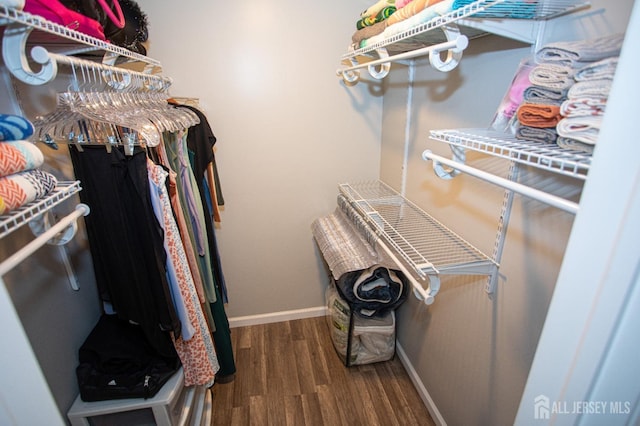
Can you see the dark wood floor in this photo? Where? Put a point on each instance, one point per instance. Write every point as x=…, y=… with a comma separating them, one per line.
x=288, y=373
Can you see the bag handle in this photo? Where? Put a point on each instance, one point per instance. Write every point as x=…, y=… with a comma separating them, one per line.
x=117, y=20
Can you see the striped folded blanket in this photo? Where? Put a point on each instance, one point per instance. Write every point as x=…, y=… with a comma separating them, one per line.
x=21, y=188
x=583, y=106
x=19, y=156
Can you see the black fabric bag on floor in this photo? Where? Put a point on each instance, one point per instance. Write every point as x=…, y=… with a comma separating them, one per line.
x=117, y=362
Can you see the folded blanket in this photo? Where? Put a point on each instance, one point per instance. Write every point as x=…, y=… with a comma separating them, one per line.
x=576, y=53
x=574, y=145
x=374, y=291
x=539, y=115
x=545, y=135
x=552, y=76
x=515, y=9
x=376, y=7
x=591, y=89
x=19, y=156
x=583, y=128
x=378, y=17
x=544, y=95
x=583, y=106
x=14, y=128
x=21, y=188
x=600, y=70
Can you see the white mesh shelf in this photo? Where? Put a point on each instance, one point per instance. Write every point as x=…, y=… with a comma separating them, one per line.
x=541, y=155
x=15, y=219
x=427, y=245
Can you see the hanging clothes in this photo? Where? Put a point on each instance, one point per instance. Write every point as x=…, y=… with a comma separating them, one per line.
x=126, y=241
x=196, y=349
x=175, y=145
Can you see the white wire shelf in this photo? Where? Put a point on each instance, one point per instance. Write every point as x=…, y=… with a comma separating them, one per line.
x=63, y=40
x=545, y=156
x=425, y=244
x=15, y=219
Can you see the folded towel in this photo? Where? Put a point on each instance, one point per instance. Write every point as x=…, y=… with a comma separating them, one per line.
x=583, y=106
x=402, y=3
x=410, y=10
x=552, y=76
x=19, y=156
x=376, y=7
x=368, y=32
x=21, y=188
x=582, y=128
x=14, y=128
x=436, y=10
x=539, y=115
x=535, y=134
x=379, y=17
x=590, y=88
x=574, y=145
x=576, y=53
x=544, y=95
x=600, y=70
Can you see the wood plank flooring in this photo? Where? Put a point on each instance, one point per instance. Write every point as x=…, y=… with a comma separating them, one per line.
x=288, y=373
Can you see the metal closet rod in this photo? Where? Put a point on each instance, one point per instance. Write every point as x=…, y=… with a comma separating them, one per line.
x=460, y=43
x=544, y=197
x=26, y=251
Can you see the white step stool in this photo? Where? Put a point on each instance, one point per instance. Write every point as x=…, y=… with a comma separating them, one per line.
x=163, y=407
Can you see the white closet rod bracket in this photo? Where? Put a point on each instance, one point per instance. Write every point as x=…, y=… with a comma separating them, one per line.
x=533, y=193
x=26, y=251
x=14, y=45
x=454, y=49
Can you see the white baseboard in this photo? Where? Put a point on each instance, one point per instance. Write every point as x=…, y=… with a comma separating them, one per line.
x=277, y=316
x=422, y=391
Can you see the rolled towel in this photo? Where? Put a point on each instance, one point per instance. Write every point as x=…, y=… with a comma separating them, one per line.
x=402, y=3
x=19, y=156
x=376, y=7
x=591, y=89
x=583, y=106
x=584, y=128
x=25, y=187
x=552, y=76
x=379, y=17
x=575, y=53
x=410, y=10
x=14, y=127
x=574, y=145
x=600, y=70
x=545, y=135
x=539, y=115
x=544, y=95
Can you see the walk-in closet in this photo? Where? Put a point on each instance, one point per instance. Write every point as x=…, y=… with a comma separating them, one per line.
x=367, y=212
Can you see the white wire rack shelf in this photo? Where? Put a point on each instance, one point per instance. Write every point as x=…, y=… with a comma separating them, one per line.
x=15, y=219
x=63, y=40
x=545, y=156
x=423, y=34
x=425, y=244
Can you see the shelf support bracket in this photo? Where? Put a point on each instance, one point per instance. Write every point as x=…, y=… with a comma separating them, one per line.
x=14, y=46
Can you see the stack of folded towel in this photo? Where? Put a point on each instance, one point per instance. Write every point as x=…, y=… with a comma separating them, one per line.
x=568, y=91
x=21, y=180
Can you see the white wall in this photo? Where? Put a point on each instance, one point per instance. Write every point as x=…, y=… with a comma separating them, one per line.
x=288, y=131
